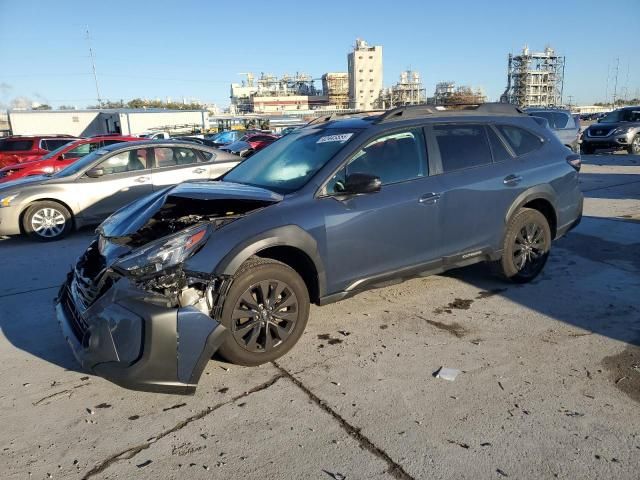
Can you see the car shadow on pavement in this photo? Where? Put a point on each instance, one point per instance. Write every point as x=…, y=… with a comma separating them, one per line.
x=610, y=159
x=28, y=286
x=589, y=282
x=610, y=185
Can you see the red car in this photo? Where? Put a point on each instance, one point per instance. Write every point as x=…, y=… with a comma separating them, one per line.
x=61, y=157
x=249, y=144
x=20, y=148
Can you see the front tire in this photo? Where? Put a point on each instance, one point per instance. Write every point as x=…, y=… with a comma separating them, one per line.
x=634, y=148
x=586, y=149
x=265, y=311
x=47, y=221
x=526, y=246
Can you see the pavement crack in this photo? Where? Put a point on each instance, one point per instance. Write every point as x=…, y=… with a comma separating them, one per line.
x=68, y=392
x=22, y=292
x=394, y=469
x=133, y=451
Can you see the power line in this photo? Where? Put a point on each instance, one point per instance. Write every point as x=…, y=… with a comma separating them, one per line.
x=93, y=66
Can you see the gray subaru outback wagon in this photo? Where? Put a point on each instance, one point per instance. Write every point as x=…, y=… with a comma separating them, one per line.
x=337, y=207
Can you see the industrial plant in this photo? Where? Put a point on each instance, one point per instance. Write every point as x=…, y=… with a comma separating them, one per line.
x=535, y=79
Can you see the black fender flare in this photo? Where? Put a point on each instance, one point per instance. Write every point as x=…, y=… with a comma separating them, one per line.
x=544, y=192
x=289, y=236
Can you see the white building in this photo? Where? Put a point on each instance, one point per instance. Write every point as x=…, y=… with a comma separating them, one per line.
x=125, y=121
x=365, y=75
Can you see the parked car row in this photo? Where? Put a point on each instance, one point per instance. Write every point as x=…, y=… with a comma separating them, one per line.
x=20, y=148
x=102, y=181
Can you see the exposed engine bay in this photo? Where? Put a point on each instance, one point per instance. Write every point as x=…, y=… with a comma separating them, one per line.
x=178, y=213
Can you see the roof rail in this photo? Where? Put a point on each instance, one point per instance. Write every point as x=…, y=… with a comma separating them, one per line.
x=408, y=111
x=333, y=116
x=495, y=107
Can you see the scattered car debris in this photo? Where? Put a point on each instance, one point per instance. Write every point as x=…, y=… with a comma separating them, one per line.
x=344, y=333
x=501, y=472
x=173, y=407
x=446, y=373
x=223, y=390
x=144, y=464
x=103, y=405
x=134, y=417
x=336, y=475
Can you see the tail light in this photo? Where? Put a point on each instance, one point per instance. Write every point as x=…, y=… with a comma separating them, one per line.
x=575, y=161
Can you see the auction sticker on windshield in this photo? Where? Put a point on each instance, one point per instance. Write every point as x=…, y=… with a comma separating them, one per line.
x=342, y=137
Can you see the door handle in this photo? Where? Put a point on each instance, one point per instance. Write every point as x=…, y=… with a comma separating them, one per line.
x=512, y=179
x=429, y=198
x=141, y=179
x=200, y=170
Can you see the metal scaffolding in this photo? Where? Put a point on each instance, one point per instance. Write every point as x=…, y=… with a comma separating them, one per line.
x=408, y=91
x=535, y=79
x=335, y=86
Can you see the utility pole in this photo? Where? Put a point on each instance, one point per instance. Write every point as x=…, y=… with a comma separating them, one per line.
x=615, y=85
x=93, y=67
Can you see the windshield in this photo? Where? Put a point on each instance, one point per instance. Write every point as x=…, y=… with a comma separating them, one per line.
x=81, y=164
x=629, y=115
x=290, y=162
x=56, y=152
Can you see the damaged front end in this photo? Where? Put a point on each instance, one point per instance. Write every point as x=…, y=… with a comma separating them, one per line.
x=131, y=312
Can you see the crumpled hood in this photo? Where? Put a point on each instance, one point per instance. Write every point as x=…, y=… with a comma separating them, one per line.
x=134, y=216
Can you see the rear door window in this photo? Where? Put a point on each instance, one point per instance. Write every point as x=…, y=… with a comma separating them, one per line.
x=462, y=146
x=16, y=145
x=520, y=140
x=172, y=157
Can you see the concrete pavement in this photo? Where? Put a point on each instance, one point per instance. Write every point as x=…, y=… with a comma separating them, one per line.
x=549, y=388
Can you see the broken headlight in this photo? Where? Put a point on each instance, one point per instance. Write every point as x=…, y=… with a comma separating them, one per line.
x=163, y=254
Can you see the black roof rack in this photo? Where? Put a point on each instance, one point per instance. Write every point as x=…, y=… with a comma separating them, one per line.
x=333, y=116
x=501, y=108
x=408, y=111
x=417, y=111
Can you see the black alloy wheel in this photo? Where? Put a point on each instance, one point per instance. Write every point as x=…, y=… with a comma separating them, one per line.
x=264, y=316
x=526, y=246
x=265, y=311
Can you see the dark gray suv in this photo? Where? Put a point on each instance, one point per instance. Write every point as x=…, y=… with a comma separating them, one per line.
x=337, y=207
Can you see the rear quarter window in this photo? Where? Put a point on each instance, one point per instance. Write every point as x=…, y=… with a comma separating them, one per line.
x=520, y=140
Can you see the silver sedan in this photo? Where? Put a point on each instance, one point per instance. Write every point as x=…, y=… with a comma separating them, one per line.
x=89, y=190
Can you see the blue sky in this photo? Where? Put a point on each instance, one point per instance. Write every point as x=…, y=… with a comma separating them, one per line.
x=196, y=49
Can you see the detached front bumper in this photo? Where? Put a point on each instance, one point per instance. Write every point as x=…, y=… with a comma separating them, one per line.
x=131, y=338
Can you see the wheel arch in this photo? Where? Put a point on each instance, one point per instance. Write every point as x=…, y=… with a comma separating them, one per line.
x=54, y=200
x=539, y=198
x=290, y=245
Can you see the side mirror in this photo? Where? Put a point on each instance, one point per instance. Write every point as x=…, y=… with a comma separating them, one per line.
x=599, y=120
x=358, y=183
x=95, y=172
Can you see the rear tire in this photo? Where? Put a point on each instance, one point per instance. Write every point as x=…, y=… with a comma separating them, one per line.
x=265, y=311
x=526, y=246
x=47, y=221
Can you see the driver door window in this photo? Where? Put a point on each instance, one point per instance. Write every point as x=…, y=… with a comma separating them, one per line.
x=395, y=157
